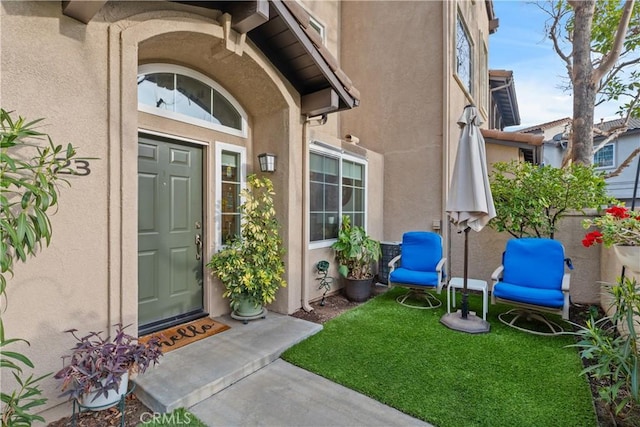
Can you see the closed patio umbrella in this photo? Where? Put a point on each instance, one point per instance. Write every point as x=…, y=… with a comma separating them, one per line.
x=469, y=205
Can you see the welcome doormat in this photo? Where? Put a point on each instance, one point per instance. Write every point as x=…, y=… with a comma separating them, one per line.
x=187, y=333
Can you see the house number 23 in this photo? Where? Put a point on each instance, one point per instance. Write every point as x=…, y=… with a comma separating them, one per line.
x=77, y=167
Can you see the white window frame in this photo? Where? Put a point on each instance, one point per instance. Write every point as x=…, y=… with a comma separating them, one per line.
x=613, y=156
x=319, y=27
x=219, y=148
x=484, y=76
x=177, y=69
x=319, y=147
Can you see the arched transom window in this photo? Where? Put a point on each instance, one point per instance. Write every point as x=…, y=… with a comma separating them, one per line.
x=183, y=94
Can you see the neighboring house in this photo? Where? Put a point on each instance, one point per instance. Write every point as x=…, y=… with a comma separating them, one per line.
x=555, y=136
x=616, y=152
x=608, y=159
x=172, y=102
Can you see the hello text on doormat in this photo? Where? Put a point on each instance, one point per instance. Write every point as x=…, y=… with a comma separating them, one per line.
x=187, y=333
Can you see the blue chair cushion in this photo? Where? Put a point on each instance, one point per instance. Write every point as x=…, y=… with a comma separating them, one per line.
x=421, y=251
x=411, y=277
x=524, y=294
x=534, y=263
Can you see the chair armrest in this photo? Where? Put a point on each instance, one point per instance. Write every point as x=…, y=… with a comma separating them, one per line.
x=565, y=282
x=392, y=263
x=439, y=268
x=497, y=274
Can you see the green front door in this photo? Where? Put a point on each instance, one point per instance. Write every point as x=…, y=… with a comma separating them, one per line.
x=169, y=233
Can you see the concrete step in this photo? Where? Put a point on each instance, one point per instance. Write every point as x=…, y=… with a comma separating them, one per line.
x=195, y=372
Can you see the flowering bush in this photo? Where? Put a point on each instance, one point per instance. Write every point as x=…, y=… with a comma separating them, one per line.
x=618, y=226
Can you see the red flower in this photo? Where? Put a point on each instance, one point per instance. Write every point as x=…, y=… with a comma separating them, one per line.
x=592, y=238
x=619, y=212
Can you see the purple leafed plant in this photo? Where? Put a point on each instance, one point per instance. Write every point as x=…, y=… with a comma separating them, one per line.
x=98, y=364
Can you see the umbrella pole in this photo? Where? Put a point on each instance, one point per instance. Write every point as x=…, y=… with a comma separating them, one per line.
x=465, y=293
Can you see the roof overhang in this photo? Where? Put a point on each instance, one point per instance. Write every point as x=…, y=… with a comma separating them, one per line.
x=282, y=31
x=494, y=22
x=529, y=144
x=502, y=89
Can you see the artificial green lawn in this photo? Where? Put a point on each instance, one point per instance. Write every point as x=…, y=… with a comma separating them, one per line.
x=407, y=359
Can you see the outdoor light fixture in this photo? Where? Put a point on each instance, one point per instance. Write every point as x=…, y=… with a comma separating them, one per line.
x=267, y=162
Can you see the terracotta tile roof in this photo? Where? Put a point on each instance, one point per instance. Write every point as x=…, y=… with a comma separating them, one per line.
x=512, y=136
x=605, y=126
x=544, y=126
x=304, y=19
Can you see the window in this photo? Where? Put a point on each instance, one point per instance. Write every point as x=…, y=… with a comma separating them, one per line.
x=186, y=95
x=464, y=55
x=604, y=158
x=230, y=180
x=337, y=185
x=316, y=25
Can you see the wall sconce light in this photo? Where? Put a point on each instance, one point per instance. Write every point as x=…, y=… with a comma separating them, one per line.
x=267, y=162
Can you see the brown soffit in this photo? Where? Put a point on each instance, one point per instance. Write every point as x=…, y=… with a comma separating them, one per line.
x=281, y=30
x=501, y=137
x=502, y=89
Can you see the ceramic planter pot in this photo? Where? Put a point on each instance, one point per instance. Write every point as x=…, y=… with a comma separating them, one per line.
x=248, y=308
x=629, y=256
x=102, y=402
x=357, y=290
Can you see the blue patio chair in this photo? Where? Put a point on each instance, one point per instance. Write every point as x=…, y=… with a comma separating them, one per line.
x=532, y=278
x=419, y=267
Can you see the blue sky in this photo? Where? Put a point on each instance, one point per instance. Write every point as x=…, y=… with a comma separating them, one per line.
x=520, y=45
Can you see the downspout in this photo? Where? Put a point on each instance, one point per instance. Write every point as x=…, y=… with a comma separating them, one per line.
x=446, y=107
x=305, y=216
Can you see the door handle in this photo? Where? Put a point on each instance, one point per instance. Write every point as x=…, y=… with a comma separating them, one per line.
x=198, y=247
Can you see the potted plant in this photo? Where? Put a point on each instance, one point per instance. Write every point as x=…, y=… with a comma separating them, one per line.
x=618, y=227
x=251, y=265
x=355, y=253
x=96, y=373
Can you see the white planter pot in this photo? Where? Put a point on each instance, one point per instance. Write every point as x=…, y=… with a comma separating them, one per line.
x=102, y=402
x=629, y=256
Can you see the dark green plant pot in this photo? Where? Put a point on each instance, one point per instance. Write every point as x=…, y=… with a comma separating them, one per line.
x=357, y=290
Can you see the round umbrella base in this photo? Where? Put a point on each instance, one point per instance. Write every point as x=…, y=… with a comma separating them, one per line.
x=472, y=324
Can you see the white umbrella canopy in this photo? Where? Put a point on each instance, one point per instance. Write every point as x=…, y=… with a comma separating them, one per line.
x=470, y=203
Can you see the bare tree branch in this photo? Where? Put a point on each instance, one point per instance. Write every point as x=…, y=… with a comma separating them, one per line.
x=612, y=56
x=556, y=16
x=615, y=70
x=623, y=165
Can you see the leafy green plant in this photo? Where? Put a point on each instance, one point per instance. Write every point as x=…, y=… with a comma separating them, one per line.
x=355, y=251
x=611, y=346
x=530, y=200
x=252, y=265
x=18, y=402
x=29, y=176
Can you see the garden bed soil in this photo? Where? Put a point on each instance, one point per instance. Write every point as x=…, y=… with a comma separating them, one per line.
x=333, y=306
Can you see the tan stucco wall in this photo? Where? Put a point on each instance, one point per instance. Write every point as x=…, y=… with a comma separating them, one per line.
x=411, y=99
x=81, y=78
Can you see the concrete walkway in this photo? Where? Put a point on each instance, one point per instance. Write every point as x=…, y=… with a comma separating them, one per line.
x=284, y=395
x=235, y=378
